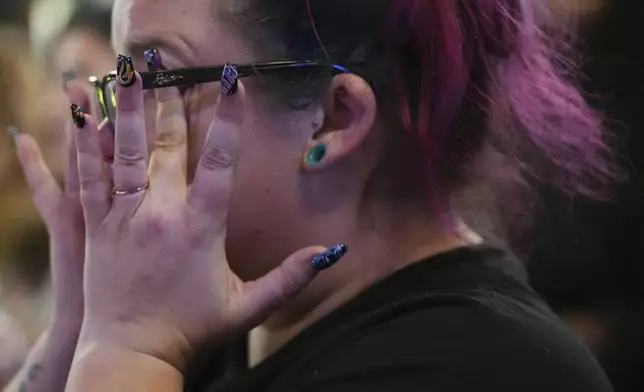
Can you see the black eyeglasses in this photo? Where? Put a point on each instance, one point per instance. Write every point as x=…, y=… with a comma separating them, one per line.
x=105, y=88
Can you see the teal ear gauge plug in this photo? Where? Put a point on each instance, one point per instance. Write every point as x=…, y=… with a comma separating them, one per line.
x=316, y=154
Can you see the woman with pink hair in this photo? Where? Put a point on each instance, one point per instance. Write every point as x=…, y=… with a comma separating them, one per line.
x=371, y=125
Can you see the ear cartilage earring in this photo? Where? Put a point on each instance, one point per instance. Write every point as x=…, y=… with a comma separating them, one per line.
x=316, y=154
x=329, y=257
x=125, y=74
x=78, y=116
x=229, y=80
x=153, y=60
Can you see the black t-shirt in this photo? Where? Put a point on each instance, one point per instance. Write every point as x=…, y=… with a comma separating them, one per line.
x=466, y=320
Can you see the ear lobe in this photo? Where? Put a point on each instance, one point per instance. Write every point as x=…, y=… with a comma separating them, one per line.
x=350, y=111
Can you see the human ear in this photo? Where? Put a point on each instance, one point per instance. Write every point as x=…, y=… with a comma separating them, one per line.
x=350, y=109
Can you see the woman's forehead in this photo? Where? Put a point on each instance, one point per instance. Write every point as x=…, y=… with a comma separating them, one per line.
x=187, y=33
x=182, y=41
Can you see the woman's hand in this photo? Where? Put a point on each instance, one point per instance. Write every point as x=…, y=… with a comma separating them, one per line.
x=157, y=281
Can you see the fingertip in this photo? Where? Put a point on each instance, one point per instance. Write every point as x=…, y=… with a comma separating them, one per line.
x=77, y=93
x=126, y=75
x=310, y=252
x=78, y=115
x=232, y=99
x=311, y=260
x=329, y=257
x=83, y=123
x=229, y=80
x=302, y=260
x=25, y=144
x=261, y=297
x=238, y=93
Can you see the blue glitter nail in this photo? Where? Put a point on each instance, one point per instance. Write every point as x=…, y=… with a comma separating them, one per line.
x=329, y=257
x=229, y=80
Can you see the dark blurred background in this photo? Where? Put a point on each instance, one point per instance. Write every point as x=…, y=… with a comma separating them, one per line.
x=589, y=262
x=586, y=258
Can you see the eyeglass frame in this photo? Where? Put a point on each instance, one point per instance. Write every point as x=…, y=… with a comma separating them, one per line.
x=188, y=77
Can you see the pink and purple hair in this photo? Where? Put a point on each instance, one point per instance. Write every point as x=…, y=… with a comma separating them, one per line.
x=465, y=73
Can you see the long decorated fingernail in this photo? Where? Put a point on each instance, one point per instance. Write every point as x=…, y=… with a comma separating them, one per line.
x=125, y=74
x=78, y=116
x=229, y=80
x=153, y=60
x=329, y=257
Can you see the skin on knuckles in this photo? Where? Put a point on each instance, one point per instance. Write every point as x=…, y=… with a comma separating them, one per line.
x=130, y=168
x=212, y=185
x=159, y=220
x=172, y=252
x=94, y=188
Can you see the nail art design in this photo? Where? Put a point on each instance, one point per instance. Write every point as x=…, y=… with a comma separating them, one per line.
x=78, y=116
x=125, y=71
x=153, y=60
x=229, y=80
x=329, y=257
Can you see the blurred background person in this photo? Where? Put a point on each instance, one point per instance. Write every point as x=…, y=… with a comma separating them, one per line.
x=32, y=100
x=15, y=13
x=23, y=241
x=83, y=48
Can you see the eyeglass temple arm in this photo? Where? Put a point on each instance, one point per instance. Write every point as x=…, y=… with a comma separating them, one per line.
x=193, y=76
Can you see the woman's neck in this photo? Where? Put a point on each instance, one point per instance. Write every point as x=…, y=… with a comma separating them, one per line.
x=372, y=257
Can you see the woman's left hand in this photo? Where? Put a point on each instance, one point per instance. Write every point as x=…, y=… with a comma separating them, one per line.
x=156, y=276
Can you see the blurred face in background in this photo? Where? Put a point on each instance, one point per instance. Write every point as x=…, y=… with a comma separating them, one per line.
x=80, y=52
x=83, y=51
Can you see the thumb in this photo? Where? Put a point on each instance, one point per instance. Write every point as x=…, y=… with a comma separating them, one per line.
x=260, y=298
